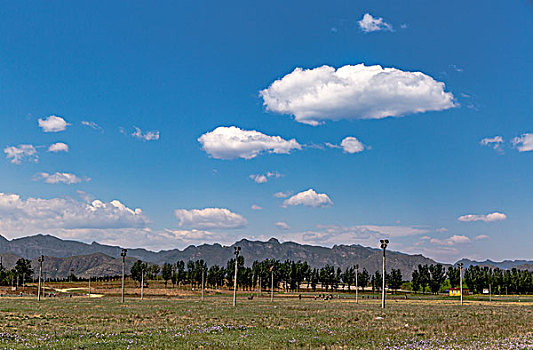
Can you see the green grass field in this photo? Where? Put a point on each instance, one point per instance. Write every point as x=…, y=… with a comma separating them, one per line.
x=188, y=323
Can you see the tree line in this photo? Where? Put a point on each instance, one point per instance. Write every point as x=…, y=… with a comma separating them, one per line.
x=288, y=275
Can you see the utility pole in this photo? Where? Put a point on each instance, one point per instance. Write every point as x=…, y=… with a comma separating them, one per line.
x=41, y=259
x=142, y=283
x=272, y=283
x=356, y=284
x=461, y=280
x=259, y=292
x=237, y=250
x=384, y=243
x=89, y=286
x=123, y=255
x=203, y=282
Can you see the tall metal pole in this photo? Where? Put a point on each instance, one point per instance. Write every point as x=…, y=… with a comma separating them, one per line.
x=461, y=280
x=356, y=284
x=237, y=249
x=89, y=286
x=272, y=284
x=142, y=284
x=41, y=258
x=384, y=243
x=203, y=282
x=123, y=254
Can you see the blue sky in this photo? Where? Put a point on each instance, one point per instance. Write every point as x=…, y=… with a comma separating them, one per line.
x=412, y=89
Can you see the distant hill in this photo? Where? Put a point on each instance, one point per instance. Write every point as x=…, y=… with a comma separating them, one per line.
x=102, y=259
x=504, y=265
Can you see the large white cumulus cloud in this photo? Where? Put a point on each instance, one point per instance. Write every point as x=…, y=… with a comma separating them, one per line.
x=33, y=215
x=210, y=218
x=233, y=142
x=315, y=95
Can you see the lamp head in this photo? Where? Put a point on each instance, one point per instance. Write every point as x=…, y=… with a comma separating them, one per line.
x=123, y=253
x=237, y=250
x=384, y=243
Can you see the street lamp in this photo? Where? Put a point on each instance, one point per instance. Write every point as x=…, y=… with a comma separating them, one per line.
x=272, y=283
x=384, y=243
x=41, y=259
x=356, y=284
x=461, y=280
x=123, y=255
x=237, y=250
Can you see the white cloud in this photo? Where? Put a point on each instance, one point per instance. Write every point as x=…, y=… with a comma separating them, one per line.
x=260, y=179
x=442, y=229
x=53, y=124
x=190, y=235
x=352, y=145
x=524, y=143
x=373, y=24
x=494, y=142
x=453, y=240
x=263, y=178
x=256, y=207
x=282, y=194
x=486, y=218
x=33, y=215
x=66, y=178
x=369, y=235
x=478, y=237
x=308, y=198
x=210, y=218
x=58, y=147
x=313, y=96
x=146, y=136
x=281, y=225
x=349, y=144
x=233, y=142
x=92, y=125
x=21, y=152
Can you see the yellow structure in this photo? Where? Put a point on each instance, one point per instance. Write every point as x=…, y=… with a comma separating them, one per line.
x=455, y=292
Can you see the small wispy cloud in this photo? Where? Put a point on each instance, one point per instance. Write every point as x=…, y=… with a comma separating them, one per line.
x=263, y=178
x=17, y=154
x=146, y=136
x=92, y=125
x=66, y=178
x=485, y=218
x=495, y=143
x=370, y=23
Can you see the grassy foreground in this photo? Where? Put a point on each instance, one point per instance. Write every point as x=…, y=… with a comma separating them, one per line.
x=187, y=323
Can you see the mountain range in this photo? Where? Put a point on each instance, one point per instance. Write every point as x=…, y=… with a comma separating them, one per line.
x=65, y=256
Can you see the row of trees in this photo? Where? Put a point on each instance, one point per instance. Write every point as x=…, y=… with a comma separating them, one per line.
x=288, y=274
x=22, y=272
x=475, y=278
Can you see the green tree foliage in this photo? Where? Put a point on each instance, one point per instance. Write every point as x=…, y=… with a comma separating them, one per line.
x=395, y=279
x=438, y=275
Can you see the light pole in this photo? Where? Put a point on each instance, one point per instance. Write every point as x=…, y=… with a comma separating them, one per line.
x=356, y=284
x=461, y=280
x=272, y=283
x=123, y=255
x=384, y=243
x=203, y=281
x=237, y=250
x=142, y=283
x=89, y=286
x=41, y=259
